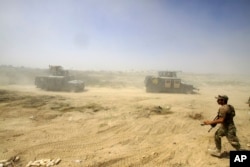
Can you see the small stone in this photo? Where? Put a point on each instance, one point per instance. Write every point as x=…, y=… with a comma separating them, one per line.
x=78, y=161
x=17, y=158
x=57, y=161
x=154, y=153
x=32, y=117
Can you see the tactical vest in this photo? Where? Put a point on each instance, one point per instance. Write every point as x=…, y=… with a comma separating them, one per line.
x=230, y=115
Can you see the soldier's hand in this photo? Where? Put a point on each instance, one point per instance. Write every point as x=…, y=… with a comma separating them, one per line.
x=207, y=122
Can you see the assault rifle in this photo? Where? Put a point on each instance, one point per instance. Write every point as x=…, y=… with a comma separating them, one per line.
x=212, y=125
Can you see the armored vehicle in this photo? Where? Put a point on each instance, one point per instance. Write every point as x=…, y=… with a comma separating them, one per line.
x=59, y=80
x=167, y=82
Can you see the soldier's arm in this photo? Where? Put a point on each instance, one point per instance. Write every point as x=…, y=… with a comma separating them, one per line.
x=219, y=120
x=221, y=116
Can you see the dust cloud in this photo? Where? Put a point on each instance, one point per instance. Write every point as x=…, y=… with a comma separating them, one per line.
x=115, y=122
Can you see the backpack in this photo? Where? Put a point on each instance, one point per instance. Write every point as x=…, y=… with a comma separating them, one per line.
x=232, y=110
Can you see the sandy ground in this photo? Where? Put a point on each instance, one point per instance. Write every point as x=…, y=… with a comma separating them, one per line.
x=105, y=126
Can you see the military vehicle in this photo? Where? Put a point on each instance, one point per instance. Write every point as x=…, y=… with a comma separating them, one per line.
x=167, y=82
x=59, y=80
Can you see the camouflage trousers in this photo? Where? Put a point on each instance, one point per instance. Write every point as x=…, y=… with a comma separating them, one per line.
x=230, y=133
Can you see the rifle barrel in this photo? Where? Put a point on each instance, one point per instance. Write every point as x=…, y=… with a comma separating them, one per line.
x=210, y=129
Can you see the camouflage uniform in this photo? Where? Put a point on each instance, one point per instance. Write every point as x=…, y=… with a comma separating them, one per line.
x=227, y=128
x=249, y=102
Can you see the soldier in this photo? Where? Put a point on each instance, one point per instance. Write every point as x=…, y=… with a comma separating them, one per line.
x=225, y=117
x=248, y=102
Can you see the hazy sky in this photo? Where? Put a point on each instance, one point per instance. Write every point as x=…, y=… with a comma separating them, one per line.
x=189, y=35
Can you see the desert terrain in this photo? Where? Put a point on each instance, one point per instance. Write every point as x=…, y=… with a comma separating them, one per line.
x=118, y=124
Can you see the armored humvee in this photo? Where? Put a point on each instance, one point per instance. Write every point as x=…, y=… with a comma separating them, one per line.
x=59, y=80
x=167, y=82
